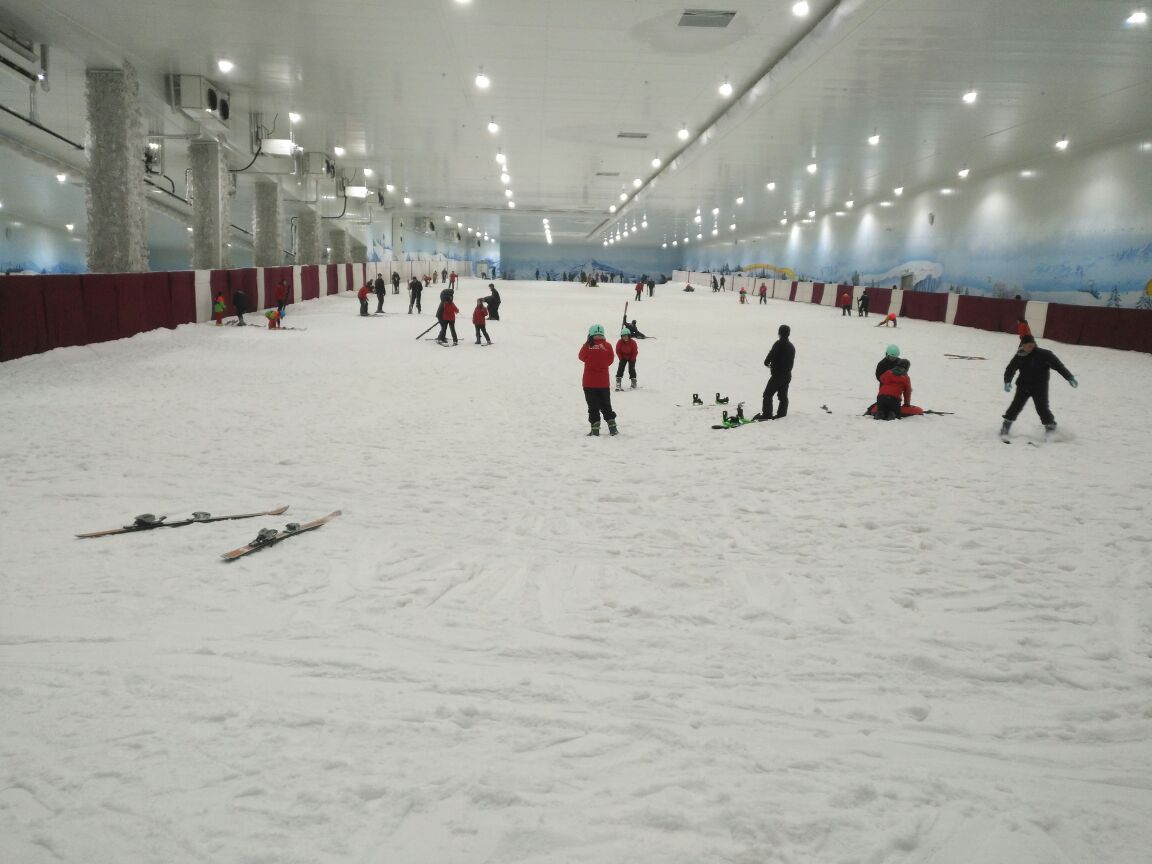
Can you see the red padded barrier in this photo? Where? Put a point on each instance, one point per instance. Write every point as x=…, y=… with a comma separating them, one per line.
x=879, y=300
x=817, y=292
x=924, y=306
x=1135, y=330
x=143, y=302
x=792, y=291
x=101, y=307
x=272, y=277
x=989, y=313
x=352, y=284
x=182, y=290
x=244, y=280
x=309, y=282
x=1063, y=323
x=64, y=311
x=23, y=324
x=333, y=281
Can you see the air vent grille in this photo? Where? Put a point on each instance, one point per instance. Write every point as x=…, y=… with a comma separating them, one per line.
x=706, y=18
x=637, y=135
x=607, y=173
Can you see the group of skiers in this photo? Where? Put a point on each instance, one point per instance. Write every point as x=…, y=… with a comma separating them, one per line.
x=487, y=308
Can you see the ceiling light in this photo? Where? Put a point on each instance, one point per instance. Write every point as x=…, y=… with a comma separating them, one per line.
x=294, y=117
x=699, y=236
x=800, y=10
x=807, y=221
x=739, y=200
x=1027, y=173
x=507, y=193
x=685, y=241
x=625, y=232
x=675, y=242
x=407, y=201
x=637, y=183
x=715, y=231
x=771, y=187
x=726, y=89
x=784, y=221
x=885, y=203
x=225, y=66
x=1146, y=147
x=493, y=126
x=388, y=187
x=367, y=172
x=644, y=224
x=339, y=151
x=70, y=227
x=448, y=219
x=500, y=157
x=61, y=178
x=715, y=211
x=189, y=229
x=482, y=80
x=356, y=191
x=947, y=191
x=963, y=173
x=1138, y=17
x=874, y=139
x=505, y=179
x=697, y=219
x=683, y=133
x=1062, y=144
x=656, y=163
x=612, y=209
x=512, y=205
x=898, y=191
x=970, y=97
x=623, y=196
x=812, y=167
x=732, y=227
x=849, y=204
x=811, y=214
x=664, y=245
x=841, y=213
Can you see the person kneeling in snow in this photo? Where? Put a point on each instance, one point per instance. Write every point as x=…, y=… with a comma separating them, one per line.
x=893, y=384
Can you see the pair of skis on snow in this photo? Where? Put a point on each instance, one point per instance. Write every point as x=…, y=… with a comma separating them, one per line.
x=266, y=537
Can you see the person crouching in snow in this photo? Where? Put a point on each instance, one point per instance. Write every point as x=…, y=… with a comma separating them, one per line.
x=479, y=315
x=273, y=316
x=893, y=384
x=362, y=296
x=218, y=309
x=890, y=318
x=596, y=355
x=627, y=350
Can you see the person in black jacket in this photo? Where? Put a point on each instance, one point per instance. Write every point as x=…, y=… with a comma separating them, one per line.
x=891, y=358
x=493, y=301
x=395, y=282
x=381, y=288
x=415, y=289
x=779, y=360
x=240, y=301
x=1033, y=365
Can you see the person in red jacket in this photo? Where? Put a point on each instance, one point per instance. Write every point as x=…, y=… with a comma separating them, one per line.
x=639, y=286
x=596, y=355
x=627, y=350
x=845, y=304
x=894, y=384
x=763, y=293
x=1022, y=328
x=479, y=316
x=448, y=311
x=281, y=297
x=452, y=277
x=362, y=296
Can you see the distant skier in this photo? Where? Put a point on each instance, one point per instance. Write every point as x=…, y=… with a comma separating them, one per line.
x=446, y=315
x=362, y=296
x=722, y=288
x=894, y=384
x=415, y=289
x=763, y=294
x=891, y=358
x=218, y=308
x=479, y=314
x=281, y=297
x=395, y=282
x=651, y=287
x=493, y=301
x=1033, y=365
x=452, y=280
x=845, y=304
x=890, y=318
x=381, y=288
x=627, y=350
x=444, y=277
x=780, y=359
x=240, y=303
x=862, y=304
x=743, y=295
x=596, y=355
x=639, y=286
x=715, y=285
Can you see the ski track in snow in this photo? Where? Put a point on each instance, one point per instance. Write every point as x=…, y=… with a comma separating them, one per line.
x=819, y=640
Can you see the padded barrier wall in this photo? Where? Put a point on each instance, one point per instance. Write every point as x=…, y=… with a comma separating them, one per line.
x=989, y=313
x=924, y=307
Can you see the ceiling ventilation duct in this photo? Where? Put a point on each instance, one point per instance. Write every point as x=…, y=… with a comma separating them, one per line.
x=705, y=18
x=200, y=99
x=637, y=135
x=27, y=60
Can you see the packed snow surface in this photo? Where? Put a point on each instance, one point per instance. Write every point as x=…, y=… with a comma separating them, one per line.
x=823, y=639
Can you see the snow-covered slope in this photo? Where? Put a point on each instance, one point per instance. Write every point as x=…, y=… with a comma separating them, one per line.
x=824, y=639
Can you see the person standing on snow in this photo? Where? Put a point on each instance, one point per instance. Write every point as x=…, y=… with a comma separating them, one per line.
x=596, y=355
x=362, y=296
x=479, y=314
x=281, y=296
x=627, y=350
x=415, y=289
x=395, y=282
x=780, y=359
x=845, y=304
x=493, y=301
x=894, y=384
x=639, y=286
x=240, y=304
x=1033, y=365
x=862, y=304
x=381, y=288
x=446, y=315
x=763, y=294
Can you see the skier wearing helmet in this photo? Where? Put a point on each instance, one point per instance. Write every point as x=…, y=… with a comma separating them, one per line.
x=891, y=358
x=596, y=355
x=627, y=350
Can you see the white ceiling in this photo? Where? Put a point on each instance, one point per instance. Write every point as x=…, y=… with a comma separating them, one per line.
x=391, y=81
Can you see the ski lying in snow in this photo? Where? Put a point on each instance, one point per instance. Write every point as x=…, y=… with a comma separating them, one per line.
x=940, y=413
x=147, y=521
x=270, y=536
x=963, y=357
x=826, y=409
x=736, y=424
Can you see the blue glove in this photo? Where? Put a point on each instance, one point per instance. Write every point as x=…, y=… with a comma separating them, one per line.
x=1007, y=386
x=1073, y=382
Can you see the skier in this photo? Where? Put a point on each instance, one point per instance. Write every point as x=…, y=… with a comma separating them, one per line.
x=632, y=328
x=493, y=301
x=281, y=297
x=639, y=286
x=240, y=303
x=596, y=355
x=395, y=282
x=415, y=289
x=891, y=358
x=862, y=304
x=444, y=278
x=715, y=285
x=743, y=295
x=218, y=309
x=627, y=350
x=273, y=316
x=452, y=279
x=651, y=286
x=446, y=315
x=890, y=318
x=1033, y=363
x=722, y=288
x=763, y=294
x=846, y=304
x=381, y=289
x=478, y=316
x=780, y=359
x=362, y=295
x=894, y=383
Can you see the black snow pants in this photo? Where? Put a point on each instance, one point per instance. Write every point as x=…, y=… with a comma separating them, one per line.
x=444, y=325
x=888, y=408
x=1039, y=396
x=777, y=386
x=631, y=364
x=481, y=330
x=599, y=401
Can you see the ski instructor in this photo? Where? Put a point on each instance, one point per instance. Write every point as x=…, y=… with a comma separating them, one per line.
x=1033, y=365
x=780, y=359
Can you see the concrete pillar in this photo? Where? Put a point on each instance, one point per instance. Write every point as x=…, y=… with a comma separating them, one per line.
x=309, y=249
x=266, y=225
x=116, y=239
x=209, y=207
x=338, y=243
x=359, y=253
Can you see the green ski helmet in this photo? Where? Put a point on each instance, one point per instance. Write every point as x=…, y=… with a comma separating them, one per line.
x=892, y=351
x=596, y=330
x=624, y=331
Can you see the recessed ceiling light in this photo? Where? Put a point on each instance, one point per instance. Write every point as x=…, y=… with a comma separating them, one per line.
x=623, y=196
x=482, y=80
x=507, y=193
x=732, y=227
x=675, y=242
x=697, y=219
x=1137, y=17
x=493, y=126
x=812, y=168
x=685, y=241
x=849, y=204
x=739, y=200
x=294, y=117
x=225, y=66
x=664, y=245
x=947, y=191
x=501, y=158
x=407, y=201
x=61, y=178
x=963, y=173
x=1146, y=147
x=637, y=183
x=644, y=224
x=841, y=213
x=885, y=203
x=715, y=231
x=339, y=151
x=656, y=163
x=505, y=178
x=1027, y=172
x=612, y=209
x=784, y=221
x=189, y=229
x=874, y=139
x=367, y=172
x=70, y=227
x=800, y=10
x=512, y=205
x=715, y=211
x=771, y=187
x=807, y=221
x=1062, y=144
x=898, y=191
x=683, y=133
x=388, y=187
x=726, y=89
x=970, y=97
x=448, y=219
x=811, y=214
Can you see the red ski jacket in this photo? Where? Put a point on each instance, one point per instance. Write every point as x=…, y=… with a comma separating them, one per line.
x=597, y=359
x=363, y=293
x=450, y=311
x=846, y=300
x=763, y=290
x=627, y=349
x=478, y=316
x=1022, y=329
x=896, y=385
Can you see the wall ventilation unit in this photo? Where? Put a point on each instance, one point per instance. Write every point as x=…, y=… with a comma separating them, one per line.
x=705, y=18
x=26, y=60
x=200, y=99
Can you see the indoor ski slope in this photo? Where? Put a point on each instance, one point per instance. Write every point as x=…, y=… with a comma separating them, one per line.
x=825, y=639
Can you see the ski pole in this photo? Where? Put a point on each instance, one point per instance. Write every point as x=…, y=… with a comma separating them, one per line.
x=422, y=334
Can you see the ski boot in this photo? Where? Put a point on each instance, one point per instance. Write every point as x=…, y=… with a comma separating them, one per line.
x=633, y=384
x=147, y=519
x=740, y=412
x=612, y=430
x=595, y=433
x=721, y=401
x=1004, y=427
x=696, y=400
x=618, y=384
x=1049, y=431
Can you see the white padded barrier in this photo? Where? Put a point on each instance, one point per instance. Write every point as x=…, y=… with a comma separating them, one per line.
x=1036, y=314
x=953, y=304
x=203, y=283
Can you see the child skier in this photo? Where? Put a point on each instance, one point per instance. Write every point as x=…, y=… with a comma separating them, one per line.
x=479, y=314
x=893, y=384
x=447, y=316
x=763, y=294
x=891, y=358
x=890, y=318
x=273, y=316
x=362, y=296
x=596, y=355
x=1033, y=364
x=627, y=350
x=218, y=309
x=743, y=295
x=639, y=286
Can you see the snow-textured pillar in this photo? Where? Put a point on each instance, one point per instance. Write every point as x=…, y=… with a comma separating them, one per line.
x=116, y=240
x=208, y=205
x=266, y=225
x=359, y=253
x=338, y=243
x=309, y=249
